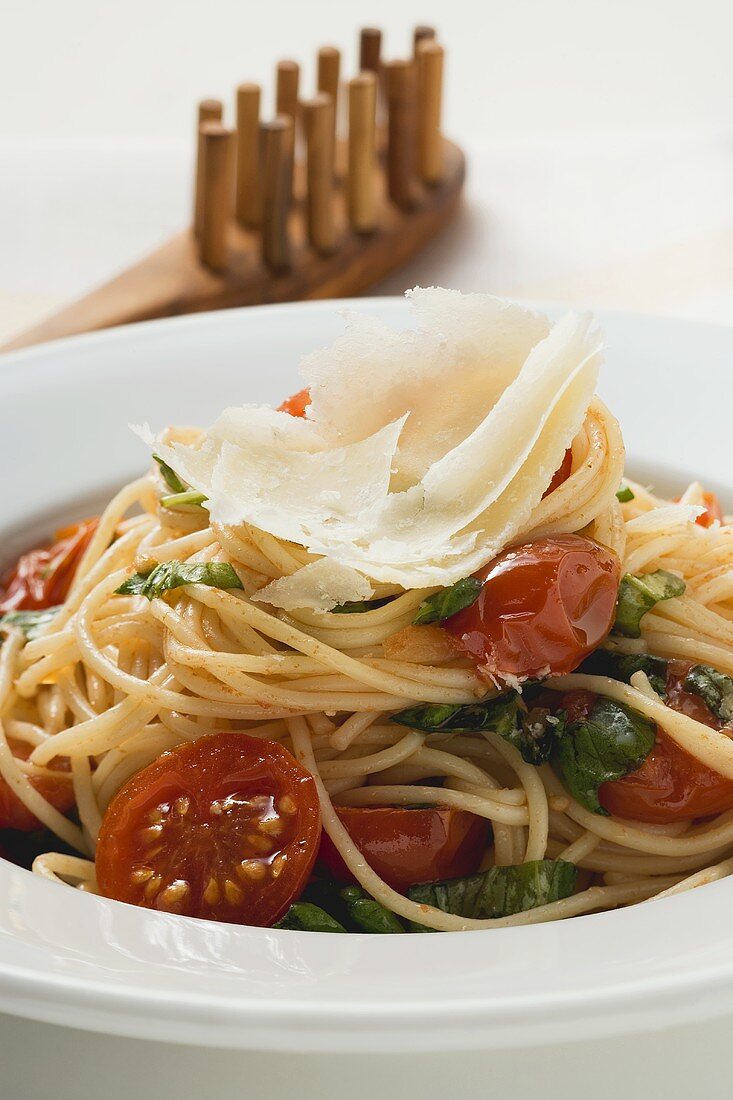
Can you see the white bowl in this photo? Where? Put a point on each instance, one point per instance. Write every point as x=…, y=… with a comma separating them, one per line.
x=85, y=962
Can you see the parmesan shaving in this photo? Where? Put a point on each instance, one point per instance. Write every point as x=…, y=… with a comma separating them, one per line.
x=424, y=452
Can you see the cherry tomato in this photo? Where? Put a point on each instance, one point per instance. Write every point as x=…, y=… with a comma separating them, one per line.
x=544, y=606
x=297, y=403
x=58, y=790
x=671, y=785
x=224, y=828
x=42, y=578
x=406, y=846
x=713, y=510
x=562, y=473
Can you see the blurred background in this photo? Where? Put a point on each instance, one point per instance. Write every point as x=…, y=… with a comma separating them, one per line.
x=599, y=135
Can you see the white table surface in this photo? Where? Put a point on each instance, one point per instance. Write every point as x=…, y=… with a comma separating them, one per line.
x=638, y=220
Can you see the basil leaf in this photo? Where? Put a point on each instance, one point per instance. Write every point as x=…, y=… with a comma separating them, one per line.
x=622, y=666
x=714, y=688
x=532, y=731
x=500, y=891
x=355, y=607
x=449, y=601
x=175, y=574
x=32, y=623
x=611, y=742
x=624, y=495
x=170, y=477
x=188, y=501
x=637, y=595
x=304, y=916
x=367, y=914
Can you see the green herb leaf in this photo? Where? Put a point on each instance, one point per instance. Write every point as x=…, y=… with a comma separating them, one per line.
x=175, y=574
x=32, y=623
x=714, y=688
x=356, y=607
x=622, y=666
x=637, y=595
x=170, y=477
x=531, y=730
x=611, y=742
x=304, y=916
x=624, y=495
x=188, y=501
x=449, y=601
x=499, y=892
x=367, y=914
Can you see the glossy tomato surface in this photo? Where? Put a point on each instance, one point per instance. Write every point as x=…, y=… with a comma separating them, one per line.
x=56, y=789
x=406, y=846
x=543, y=608
x=671, y=785
x=42, y=578
x=225, y=828
x=297, y=403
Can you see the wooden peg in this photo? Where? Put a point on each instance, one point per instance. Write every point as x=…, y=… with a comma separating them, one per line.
x=319, y=129
x=429, y=97
x=209, y=110
x=277, y=178
x=422, y=34
x=286, y=92
x=329, y=64
x=248, y=202
x=218, y=188
x=362, y=152
x=401, y=125
x=370, y=48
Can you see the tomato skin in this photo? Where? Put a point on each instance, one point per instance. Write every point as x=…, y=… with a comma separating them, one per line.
x=544, y=605
x=59, y=791
x=407, y=846
x=42, y=578
x=562, y=473
x=671, y=785
x=224, y=828
x=297, y=403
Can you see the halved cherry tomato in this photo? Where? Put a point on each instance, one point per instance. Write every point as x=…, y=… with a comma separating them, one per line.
x=297, y=403
x=58, y=790
x=562, y=473
x=671, y=785
x=406, y=846
x=225, y=828
x=42, y=578
x=544, y=606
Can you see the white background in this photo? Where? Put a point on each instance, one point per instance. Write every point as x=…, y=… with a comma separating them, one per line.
x=599, y=134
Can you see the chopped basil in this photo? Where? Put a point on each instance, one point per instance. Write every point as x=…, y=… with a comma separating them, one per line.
x=714, y=688
x=449, y=601
x=32, y=623
x=531, y=730
x=170, y=477
x=622, y=666
x=304, y=916
x=356, y=607
x=175, y=574
x=188, y=501
x=367, y=914
x=624, y=495
x=611, y=742
x=500, y=891
x=637, y=595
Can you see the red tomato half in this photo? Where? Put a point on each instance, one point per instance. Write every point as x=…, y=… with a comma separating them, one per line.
x=544, y=605
x=225, y=828
x=42, y=578
x=297, y=403
x=671, y=785
x=406, y=846
x=58, y=790
x=562, y=473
